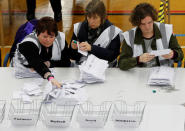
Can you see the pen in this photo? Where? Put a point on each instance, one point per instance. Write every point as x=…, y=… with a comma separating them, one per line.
x=74, y=41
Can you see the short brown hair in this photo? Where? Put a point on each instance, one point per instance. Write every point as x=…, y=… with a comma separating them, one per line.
x=96, y=7
x=47, y=24
x=141, y=11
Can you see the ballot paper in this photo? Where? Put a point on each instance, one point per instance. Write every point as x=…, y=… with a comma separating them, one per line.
x=72, y=93
x=29, y=89
x=32, y=88
x=85, y=53
x=160, y=52
x=162, y=76
x=93, y=70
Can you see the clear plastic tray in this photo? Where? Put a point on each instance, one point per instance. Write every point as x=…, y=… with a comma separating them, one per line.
x=54, y=115
x=128, y=116
x=94, y=116
x=2, y=109
x=22, y=113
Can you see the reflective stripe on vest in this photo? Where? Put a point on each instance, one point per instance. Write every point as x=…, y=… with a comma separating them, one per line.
x=109, y=33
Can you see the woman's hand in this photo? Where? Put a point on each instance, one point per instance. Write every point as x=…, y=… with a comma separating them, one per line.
x=146, y=57
x=168, y=56
x=84, y=46
x=51, y=78
x=47, y=63
x=55, y=83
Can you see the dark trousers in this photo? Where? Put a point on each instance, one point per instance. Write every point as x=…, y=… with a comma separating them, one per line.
x=55, y=4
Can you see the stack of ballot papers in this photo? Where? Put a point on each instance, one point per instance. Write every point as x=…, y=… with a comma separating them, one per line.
x=161, y=76
x=22, y=72
x=93, y=70
x=29, y=89
x=70, y=93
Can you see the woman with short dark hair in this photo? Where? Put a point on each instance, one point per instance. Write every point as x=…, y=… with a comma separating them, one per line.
x=47, y=24
x=96, y=7
x=96, y=35
x=44, y=48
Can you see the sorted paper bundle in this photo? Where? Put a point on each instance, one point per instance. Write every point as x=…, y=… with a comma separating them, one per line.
x=23, y=72
x=93, y=70
x=161, y=76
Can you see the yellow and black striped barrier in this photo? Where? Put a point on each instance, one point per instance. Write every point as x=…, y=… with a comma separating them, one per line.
x=161, y=14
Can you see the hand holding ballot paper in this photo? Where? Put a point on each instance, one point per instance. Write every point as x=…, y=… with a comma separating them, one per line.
x=165, y=53
x=83, y=48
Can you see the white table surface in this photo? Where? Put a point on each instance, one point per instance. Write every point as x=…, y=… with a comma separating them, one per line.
x=164, y=110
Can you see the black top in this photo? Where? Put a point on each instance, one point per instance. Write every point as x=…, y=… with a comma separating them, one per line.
x=35, y=60
x=110, y=53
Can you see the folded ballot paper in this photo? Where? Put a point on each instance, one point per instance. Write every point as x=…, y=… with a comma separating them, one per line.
x=160, y=52
x=161, y=76
x=70, y=93
x=93, y=70
x=85, y=53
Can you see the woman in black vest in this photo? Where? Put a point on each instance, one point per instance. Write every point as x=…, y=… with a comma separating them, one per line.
x=90, y=30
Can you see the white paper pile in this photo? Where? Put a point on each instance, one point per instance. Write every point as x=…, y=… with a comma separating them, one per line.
x=93, y=70
x=29, y=89
x=32, y=89
x=161, y=76
x=22, y=72
x=72, y=93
